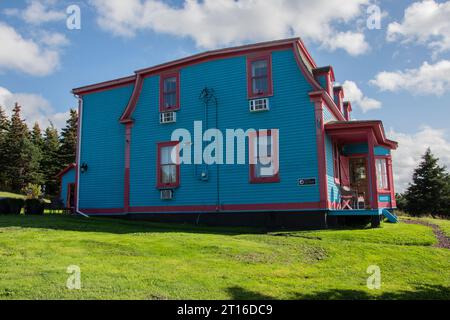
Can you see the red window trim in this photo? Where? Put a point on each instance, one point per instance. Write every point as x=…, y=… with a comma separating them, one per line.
x=250, y=60
x=159, y=184
x=175, y=74
x=336, y=163
x=388, y=189
x=252, y=167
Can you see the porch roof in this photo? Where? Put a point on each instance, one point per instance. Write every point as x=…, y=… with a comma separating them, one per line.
x=356, y=131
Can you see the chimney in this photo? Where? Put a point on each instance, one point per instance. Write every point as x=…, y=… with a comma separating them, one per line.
x=347, y=110
x=325, y=77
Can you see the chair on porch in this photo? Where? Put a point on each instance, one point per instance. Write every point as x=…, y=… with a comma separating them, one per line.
x=349, y=198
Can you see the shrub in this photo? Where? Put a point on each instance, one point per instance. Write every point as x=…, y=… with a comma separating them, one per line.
x=11, y=206
x=33, y=191
x=34, y=207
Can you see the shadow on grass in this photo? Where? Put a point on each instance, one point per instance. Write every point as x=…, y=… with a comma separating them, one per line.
x=425, y=292
x=117, y=226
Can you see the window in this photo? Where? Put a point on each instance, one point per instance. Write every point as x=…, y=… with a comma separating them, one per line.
x=382, y=174
x=336, y=164
x=264, y=166
x=168, y=165
x=170, y=92
x=259, y=76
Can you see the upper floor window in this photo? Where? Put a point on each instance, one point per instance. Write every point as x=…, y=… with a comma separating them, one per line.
x=336, y=163
x=382, y=174
x=264, y=164
x=168, y=165
x=170, y=92
x=259, y=76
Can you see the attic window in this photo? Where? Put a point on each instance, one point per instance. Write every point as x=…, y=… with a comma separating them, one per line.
x=170, y=92
x=259, y=72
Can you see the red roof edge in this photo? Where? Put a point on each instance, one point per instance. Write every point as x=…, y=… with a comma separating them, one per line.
x=65, y=170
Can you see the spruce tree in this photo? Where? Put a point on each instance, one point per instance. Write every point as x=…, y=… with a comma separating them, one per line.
x=21, y=156
x=429, y=193
x=50, y=163
x=36, y=136
x=69, y=140
x=4, y=125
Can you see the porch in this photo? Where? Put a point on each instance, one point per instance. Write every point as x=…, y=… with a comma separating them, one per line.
x=362, y=179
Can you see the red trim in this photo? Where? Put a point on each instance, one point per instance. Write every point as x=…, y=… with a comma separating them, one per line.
x=372, y=171
x=159, y=184
x=102, y=86
x=250, y=60
x=163, y=77
x=65, y=170
x=321, y=155
x=212, y=208
x=336, y=163
x=126, y=116
x=252, y=167
x=127, y=165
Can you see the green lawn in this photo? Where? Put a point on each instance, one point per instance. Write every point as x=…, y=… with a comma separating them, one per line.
x=11, y=195
x=139, y=260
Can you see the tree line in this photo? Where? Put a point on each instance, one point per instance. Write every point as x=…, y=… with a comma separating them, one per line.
x=34, y=156
x=429, y=191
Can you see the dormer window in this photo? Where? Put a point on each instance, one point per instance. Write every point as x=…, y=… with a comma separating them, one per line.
x=170, y=92
x=259, y=71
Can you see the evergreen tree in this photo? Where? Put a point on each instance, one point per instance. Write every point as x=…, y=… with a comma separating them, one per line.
x=69, y=140
x=21, y=156
x=36, y=136
x=50, y=163
x=4, y=125
x=429, y=192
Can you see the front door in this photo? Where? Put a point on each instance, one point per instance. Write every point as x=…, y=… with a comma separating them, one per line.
x=70, y=203
x=359, y=181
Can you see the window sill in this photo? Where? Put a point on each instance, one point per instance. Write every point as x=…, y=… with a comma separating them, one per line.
x=262, y=96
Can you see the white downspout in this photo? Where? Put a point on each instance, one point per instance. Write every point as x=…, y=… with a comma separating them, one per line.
x=80, y=124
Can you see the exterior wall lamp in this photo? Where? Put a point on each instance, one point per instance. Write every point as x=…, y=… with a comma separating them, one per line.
x=84, y=167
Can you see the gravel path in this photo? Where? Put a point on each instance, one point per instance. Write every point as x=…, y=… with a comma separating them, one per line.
x=443, y=240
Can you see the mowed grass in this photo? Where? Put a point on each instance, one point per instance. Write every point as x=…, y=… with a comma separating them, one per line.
x=138, y=260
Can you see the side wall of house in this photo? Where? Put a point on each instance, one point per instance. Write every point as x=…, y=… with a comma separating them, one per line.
x=291, y=111
x=103, y=149
x=66, y=179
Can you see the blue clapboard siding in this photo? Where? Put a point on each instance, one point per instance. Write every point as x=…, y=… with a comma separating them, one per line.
x=66, y=179
x=333, y=190
x=103, y=149
x=291, y=111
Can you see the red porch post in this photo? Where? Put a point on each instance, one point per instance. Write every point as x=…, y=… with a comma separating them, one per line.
x=391, y=181
x=372, y=171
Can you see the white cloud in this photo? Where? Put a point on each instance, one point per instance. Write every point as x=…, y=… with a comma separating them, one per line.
x=356, y=97
x=38, y=12
x=427, y=23
x=412, y=147
x=214, y=23
x=433, y=79
x=53, y=39
x=35, y=108
x=25, y=55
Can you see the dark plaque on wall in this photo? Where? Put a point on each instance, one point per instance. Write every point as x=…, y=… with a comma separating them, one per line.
x=307, y=182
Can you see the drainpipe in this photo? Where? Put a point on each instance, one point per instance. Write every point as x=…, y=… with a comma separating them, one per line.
x=80, y=118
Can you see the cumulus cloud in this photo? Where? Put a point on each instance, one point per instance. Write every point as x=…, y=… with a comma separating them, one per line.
x=35, y=108
x=412, y=147
x=25, y=55
x=213, y=23
x=426, y=23
x=38, y=12
x=357, y=98
x=429, y=79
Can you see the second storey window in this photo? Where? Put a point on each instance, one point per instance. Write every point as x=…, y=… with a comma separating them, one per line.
x=259, y=71
x=168, y=165
x=170, y=92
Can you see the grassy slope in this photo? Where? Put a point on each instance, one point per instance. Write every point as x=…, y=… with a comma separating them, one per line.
x=443, y=224
x=127, y=260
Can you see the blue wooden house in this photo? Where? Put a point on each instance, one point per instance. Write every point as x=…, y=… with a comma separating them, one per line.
x=327, y=164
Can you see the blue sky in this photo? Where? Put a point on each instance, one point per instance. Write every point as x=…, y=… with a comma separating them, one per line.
x=382, y=69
